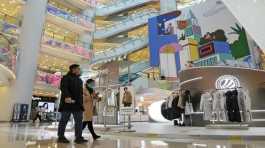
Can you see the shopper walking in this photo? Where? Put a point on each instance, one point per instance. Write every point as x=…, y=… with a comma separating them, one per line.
x=90, y=97
x=71, y=103
x=37, y=114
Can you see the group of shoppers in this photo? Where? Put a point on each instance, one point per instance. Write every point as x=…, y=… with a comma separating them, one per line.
x=77, y=100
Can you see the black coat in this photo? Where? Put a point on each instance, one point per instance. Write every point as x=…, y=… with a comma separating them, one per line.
x=71, y=86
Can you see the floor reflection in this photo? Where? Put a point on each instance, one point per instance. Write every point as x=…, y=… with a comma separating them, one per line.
x=29, y=136
x=131, y=143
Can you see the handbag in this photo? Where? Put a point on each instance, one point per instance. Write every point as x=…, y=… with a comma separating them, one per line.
x=95, y=112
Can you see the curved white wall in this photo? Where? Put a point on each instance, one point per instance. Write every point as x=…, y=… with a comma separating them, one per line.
x=154, y=112
x=250, y=13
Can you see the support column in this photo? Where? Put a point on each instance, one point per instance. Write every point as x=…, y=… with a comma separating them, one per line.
x=29, y=46
x=168, y=6
x=87, y=38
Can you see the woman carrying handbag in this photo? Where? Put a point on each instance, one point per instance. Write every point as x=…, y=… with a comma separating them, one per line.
x=89, y=97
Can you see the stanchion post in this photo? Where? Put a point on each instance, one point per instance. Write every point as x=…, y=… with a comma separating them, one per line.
x=129, y=122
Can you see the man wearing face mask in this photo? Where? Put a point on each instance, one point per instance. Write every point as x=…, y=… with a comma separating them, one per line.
x=71, y=103
x=90, y=97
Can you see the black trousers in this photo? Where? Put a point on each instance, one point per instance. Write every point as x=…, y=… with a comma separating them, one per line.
x=90, y=127
x=65, y=116
x=126, y=104
x=37, y=117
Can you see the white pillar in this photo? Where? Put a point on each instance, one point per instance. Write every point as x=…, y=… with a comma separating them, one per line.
x=168, y=6
x=87, y=38
x=29, y=46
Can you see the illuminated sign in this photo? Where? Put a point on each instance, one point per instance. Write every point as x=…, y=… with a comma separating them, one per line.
x=227, y=82
x=206, y=50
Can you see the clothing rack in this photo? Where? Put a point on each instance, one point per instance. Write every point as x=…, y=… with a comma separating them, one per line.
x=227, y=124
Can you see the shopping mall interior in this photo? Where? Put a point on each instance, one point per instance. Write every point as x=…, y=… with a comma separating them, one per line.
x=167, y=73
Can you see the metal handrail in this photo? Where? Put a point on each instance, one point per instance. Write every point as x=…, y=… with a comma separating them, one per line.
x=139, y=38
x=76, y=20
x=114, y=3
x=132, y=17
x=120, y=51
x=75, y=41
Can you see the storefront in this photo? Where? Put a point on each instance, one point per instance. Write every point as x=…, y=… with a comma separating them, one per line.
x=209, y=80
x=46, y=107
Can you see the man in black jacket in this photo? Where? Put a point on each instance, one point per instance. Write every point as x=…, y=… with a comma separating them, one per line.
x=71, y=103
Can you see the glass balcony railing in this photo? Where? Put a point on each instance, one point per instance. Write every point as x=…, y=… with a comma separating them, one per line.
x=8, y=29
x=130, y=22
x=9, y=19
x=82, y=20
x=48, y=78
x=117, y=6
x=77, y=48
x=8, y=40
x=8, y=52
x=136, y=67
x=124, y=49
x=9, y=24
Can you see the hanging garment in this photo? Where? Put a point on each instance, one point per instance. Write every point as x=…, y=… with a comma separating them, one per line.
x=164, y=111
x=170, y=100
x=188, y=108
x=180, y=102
x=232, y=106
x=112, y=98
x=219, y=104
x=176, y=110
x=244, y=105
x=186, y=97
x=206, y=106
x=187, y=101
x=172, y=112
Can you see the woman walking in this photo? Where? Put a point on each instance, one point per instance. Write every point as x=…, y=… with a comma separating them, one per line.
x=89, y=98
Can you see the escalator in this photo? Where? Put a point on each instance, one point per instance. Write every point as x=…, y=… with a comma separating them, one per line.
x=125, y=48
x=135, y=69
x=118, y=6
x=132, y=21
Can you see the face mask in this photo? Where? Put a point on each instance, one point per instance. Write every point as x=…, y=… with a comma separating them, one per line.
x=91, y=85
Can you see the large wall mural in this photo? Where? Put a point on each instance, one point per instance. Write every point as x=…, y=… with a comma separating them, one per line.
x=206, y=34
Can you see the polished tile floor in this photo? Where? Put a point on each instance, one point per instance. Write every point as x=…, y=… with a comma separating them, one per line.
x=34, y=136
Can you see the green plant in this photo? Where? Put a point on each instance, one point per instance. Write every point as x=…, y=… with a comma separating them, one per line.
x=239, y=48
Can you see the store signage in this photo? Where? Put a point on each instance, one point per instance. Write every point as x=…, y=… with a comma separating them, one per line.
x=227, y=82
x=206, y=50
